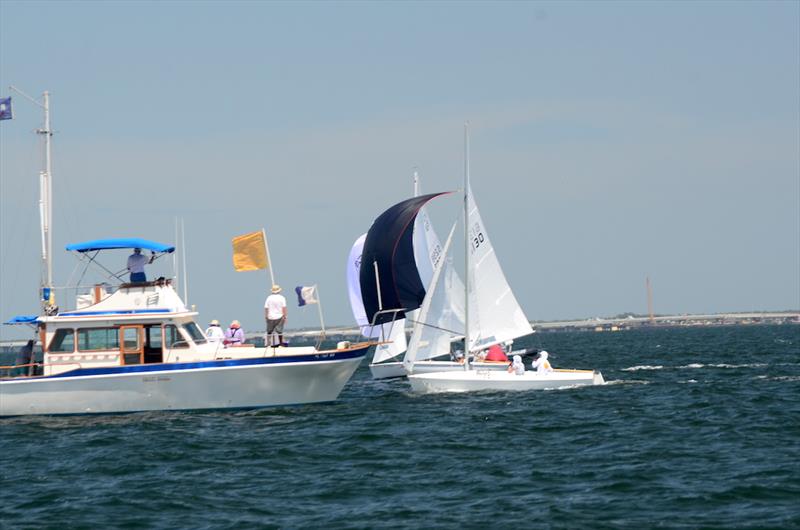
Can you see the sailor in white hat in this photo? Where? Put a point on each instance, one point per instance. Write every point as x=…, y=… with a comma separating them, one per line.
x=275, y=314
x=214, y=333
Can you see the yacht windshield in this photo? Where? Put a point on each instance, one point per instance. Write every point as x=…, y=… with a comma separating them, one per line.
x=195, y=333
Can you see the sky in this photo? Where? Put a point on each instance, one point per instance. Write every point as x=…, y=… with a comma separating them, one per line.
x=610, y=142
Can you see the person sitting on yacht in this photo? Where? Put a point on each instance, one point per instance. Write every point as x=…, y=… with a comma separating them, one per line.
x=214, y=333
x=517, y=367
x=541, y=364
x=234, y=336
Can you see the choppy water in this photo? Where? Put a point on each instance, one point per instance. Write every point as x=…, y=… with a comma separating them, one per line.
x=698, y=427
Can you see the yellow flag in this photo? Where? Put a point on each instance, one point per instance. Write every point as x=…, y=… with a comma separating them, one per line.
x=250, y=252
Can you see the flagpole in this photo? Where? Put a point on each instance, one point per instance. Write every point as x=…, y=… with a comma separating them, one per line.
x=319, y=306
x=269, y=259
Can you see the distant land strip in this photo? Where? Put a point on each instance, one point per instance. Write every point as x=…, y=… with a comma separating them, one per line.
x=619, y=323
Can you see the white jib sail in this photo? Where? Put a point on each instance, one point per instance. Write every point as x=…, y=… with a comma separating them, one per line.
x=393, y=332
x=441, y=316
x=494, y=314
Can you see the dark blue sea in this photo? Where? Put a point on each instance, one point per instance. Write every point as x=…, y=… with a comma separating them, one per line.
x=696, y=428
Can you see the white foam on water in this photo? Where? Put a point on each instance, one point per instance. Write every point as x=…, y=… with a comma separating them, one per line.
x=627, y=382
x=642, y=367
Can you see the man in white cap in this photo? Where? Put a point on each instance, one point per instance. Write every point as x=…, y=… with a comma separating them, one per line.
x=541, y=364
x=275, y=313
x=214, y=333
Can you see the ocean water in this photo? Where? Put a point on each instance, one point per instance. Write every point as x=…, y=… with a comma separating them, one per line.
x=697, y=427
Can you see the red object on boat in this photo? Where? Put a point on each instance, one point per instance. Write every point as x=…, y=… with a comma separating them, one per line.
x=496, y=354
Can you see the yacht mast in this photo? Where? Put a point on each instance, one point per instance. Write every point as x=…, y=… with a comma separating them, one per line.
x=467, y=247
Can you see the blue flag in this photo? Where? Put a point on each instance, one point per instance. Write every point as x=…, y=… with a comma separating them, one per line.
x=5, y=108
x=306, y=295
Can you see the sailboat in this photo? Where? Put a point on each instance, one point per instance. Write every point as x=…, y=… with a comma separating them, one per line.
x=390, y=274
x=492, y=316
x=427, y=252
x=135, y=346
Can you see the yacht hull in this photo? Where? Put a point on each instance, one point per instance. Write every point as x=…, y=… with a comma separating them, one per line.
x=495, y=380
x=242, y=383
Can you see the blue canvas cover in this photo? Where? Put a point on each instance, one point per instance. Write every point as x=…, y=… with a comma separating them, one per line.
x=110, y=244
x=22, y=319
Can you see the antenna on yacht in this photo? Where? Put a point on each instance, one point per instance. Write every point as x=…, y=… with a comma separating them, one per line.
x=175, y=254
x=45, y=203
x=467, y=247
x=183, y=260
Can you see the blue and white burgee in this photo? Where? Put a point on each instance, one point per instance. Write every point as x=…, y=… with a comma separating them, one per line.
x=306, y=295
x=5, y=109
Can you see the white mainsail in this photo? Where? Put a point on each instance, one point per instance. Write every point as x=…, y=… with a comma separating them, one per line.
x=494, y=314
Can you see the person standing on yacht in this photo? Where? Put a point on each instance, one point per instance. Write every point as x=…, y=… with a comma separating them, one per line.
x=275, y=313
x=136, y=263
x=234, y=336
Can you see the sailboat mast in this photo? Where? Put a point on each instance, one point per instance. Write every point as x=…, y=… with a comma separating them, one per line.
x=416, y=183
x=467, y=249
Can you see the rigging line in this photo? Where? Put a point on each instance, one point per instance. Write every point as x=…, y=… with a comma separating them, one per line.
x=453, y=332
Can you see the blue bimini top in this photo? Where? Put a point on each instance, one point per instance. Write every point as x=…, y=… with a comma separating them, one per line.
x=110, y=244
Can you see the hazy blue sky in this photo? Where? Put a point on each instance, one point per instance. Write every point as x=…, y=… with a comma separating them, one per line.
x=610, y=141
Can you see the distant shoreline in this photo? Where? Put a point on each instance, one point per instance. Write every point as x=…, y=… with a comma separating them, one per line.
x=590, y=324
x=610, y=324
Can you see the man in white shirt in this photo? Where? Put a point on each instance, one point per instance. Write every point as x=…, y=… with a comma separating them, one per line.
x=275, y=314
x=136, y=263
x=214, y=333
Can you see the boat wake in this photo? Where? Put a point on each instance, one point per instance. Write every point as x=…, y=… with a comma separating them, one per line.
x=642, y=367
x=628, y=382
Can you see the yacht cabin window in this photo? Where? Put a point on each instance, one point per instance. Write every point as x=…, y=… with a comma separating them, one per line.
x=97, y=339
x=173, y=338
x=63, y=341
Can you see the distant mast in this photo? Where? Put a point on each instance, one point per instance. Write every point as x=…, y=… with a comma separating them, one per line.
x=650, y=300
x=467, y=247
x=45, y=201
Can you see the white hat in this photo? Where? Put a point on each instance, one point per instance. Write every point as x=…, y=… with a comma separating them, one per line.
x=276, y=289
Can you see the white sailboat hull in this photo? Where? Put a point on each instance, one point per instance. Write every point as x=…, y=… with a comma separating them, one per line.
x=216, y=385
x=487, y=380
x=387, y=370
x=396, y=369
